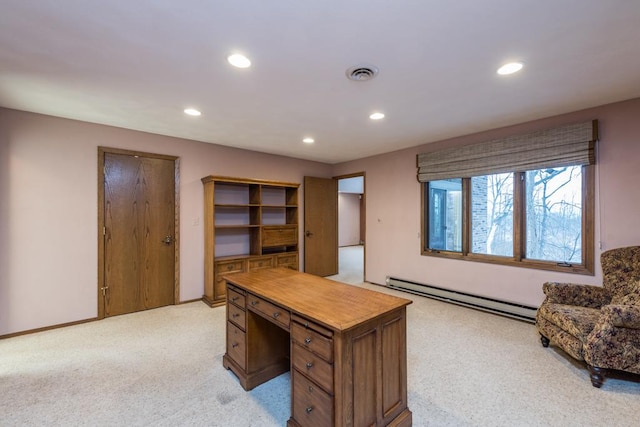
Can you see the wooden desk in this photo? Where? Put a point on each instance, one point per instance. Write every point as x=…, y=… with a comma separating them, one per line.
x=345, y=346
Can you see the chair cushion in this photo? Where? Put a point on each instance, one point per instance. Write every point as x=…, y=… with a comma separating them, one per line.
x=576, y=320
x=628, y=293
x=562, y=339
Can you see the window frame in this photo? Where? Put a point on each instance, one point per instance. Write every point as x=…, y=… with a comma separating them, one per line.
x=586, y=267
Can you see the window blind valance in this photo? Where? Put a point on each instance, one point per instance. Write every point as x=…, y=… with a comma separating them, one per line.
x=572, y=145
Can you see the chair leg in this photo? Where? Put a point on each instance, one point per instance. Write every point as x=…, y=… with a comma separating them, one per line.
x=544, y=340
x=597, y=375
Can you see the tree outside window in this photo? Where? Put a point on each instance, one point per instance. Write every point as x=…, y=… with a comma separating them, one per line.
x=544, y=206
x=554, y=214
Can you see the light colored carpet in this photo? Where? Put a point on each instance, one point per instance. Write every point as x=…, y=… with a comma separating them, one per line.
x=163, y=367
x=350, y=265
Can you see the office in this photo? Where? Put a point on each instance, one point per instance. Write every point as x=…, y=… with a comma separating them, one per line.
x=48, y=214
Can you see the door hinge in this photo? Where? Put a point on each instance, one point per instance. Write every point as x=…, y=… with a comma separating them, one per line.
x=104, y=231
x=104, y=290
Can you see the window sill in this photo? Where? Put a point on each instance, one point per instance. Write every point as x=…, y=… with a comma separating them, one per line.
x=512, y=262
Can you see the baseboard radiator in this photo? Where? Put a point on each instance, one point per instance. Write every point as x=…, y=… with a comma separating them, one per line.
x=516, y=311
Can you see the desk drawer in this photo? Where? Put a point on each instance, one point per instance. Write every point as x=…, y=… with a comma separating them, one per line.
x=236, y=344
x=259, y=263
x=311, y=405
x=279, y=235
x=271, y=311
x=234, y=296
x=313, y=366
x=312, y=341
x=237, y=315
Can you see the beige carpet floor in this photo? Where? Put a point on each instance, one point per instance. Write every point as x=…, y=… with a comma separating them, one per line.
x=350, y=264
x=163, y=367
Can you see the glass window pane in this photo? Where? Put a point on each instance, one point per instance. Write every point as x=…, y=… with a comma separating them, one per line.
x=554, y=214
x=492, y=214
x=445, y=215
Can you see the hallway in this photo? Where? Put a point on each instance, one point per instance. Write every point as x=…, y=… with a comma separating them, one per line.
x=350, y=265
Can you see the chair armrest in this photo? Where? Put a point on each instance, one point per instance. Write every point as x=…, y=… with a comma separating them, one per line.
x=614, y=341
x=623, y=316
x=576, y=294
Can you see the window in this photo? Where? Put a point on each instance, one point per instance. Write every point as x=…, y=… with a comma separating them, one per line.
x=545, y=206
x=554, y=214
x=445, y=221
x=524, y=201
x=492, y=214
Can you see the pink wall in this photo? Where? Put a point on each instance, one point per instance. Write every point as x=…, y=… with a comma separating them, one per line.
x=48, y=210
x=393, y=210
x=348, y=219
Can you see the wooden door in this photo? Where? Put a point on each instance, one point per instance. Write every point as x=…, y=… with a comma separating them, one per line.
x=139, y=233
x=321, y=226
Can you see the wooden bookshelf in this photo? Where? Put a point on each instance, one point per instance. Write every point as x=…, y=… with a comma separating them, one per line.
x=249, y=224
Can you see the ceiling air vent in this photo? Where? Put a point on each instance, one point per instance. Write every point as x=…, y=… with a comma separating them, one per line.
x=362, y=73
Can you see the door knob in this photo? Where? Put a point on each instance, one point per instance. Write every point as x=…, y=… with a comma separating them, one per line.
x=167, y=240
x=308, y=233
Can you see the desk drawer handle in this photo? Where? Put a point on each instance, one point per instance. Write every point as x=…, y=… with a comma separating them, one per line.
x=309, y=409
x=234, y=345
x=254, y=303
x=275, y=315
x=310, y=389
x=307, y=340
x=234, y=315
x=234, y=299
x=306, y=324
x=229, y=267
x=309, y=365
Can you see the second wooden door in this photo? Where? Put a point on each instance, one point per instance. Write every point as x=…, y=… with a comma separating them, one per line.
x=321, y=226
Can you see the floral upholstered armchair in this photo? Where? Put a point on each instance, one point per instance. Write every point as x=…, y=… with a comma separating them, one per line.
x=600, y=325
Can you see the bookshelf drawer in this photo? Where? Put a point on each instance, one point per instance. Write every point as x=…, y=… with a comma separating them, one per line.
x=279, y=235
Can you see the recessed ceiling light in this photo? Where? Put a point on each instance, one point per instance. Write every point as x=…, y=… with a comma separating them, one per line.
x=239, y=61
x=308, y=140
x=376, y=116
x=192, y=112
x=510, y=68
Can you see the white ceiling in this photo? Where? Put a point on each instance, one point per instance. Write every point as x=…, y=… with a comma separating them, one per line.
x=138, y=63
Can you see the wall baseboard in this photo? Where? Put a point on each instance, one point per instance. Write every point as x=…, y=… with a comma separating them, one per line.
x=190, y=301
x=47, y=328
x=64, y=325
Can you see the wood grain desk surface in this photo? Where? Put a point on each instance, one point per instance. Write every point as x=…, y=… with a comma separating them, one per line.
x=336, y=305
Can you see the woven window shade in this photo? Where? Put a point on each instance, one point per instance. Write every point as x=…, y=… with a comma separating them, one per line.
x=572, y=145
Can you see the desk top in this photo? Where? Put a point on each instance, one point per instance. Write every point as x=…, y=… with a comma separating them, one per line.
x=335, y=305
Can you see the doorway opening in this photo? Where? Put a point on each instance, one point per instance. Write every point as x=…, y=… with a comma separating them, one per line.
x=351, y=229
